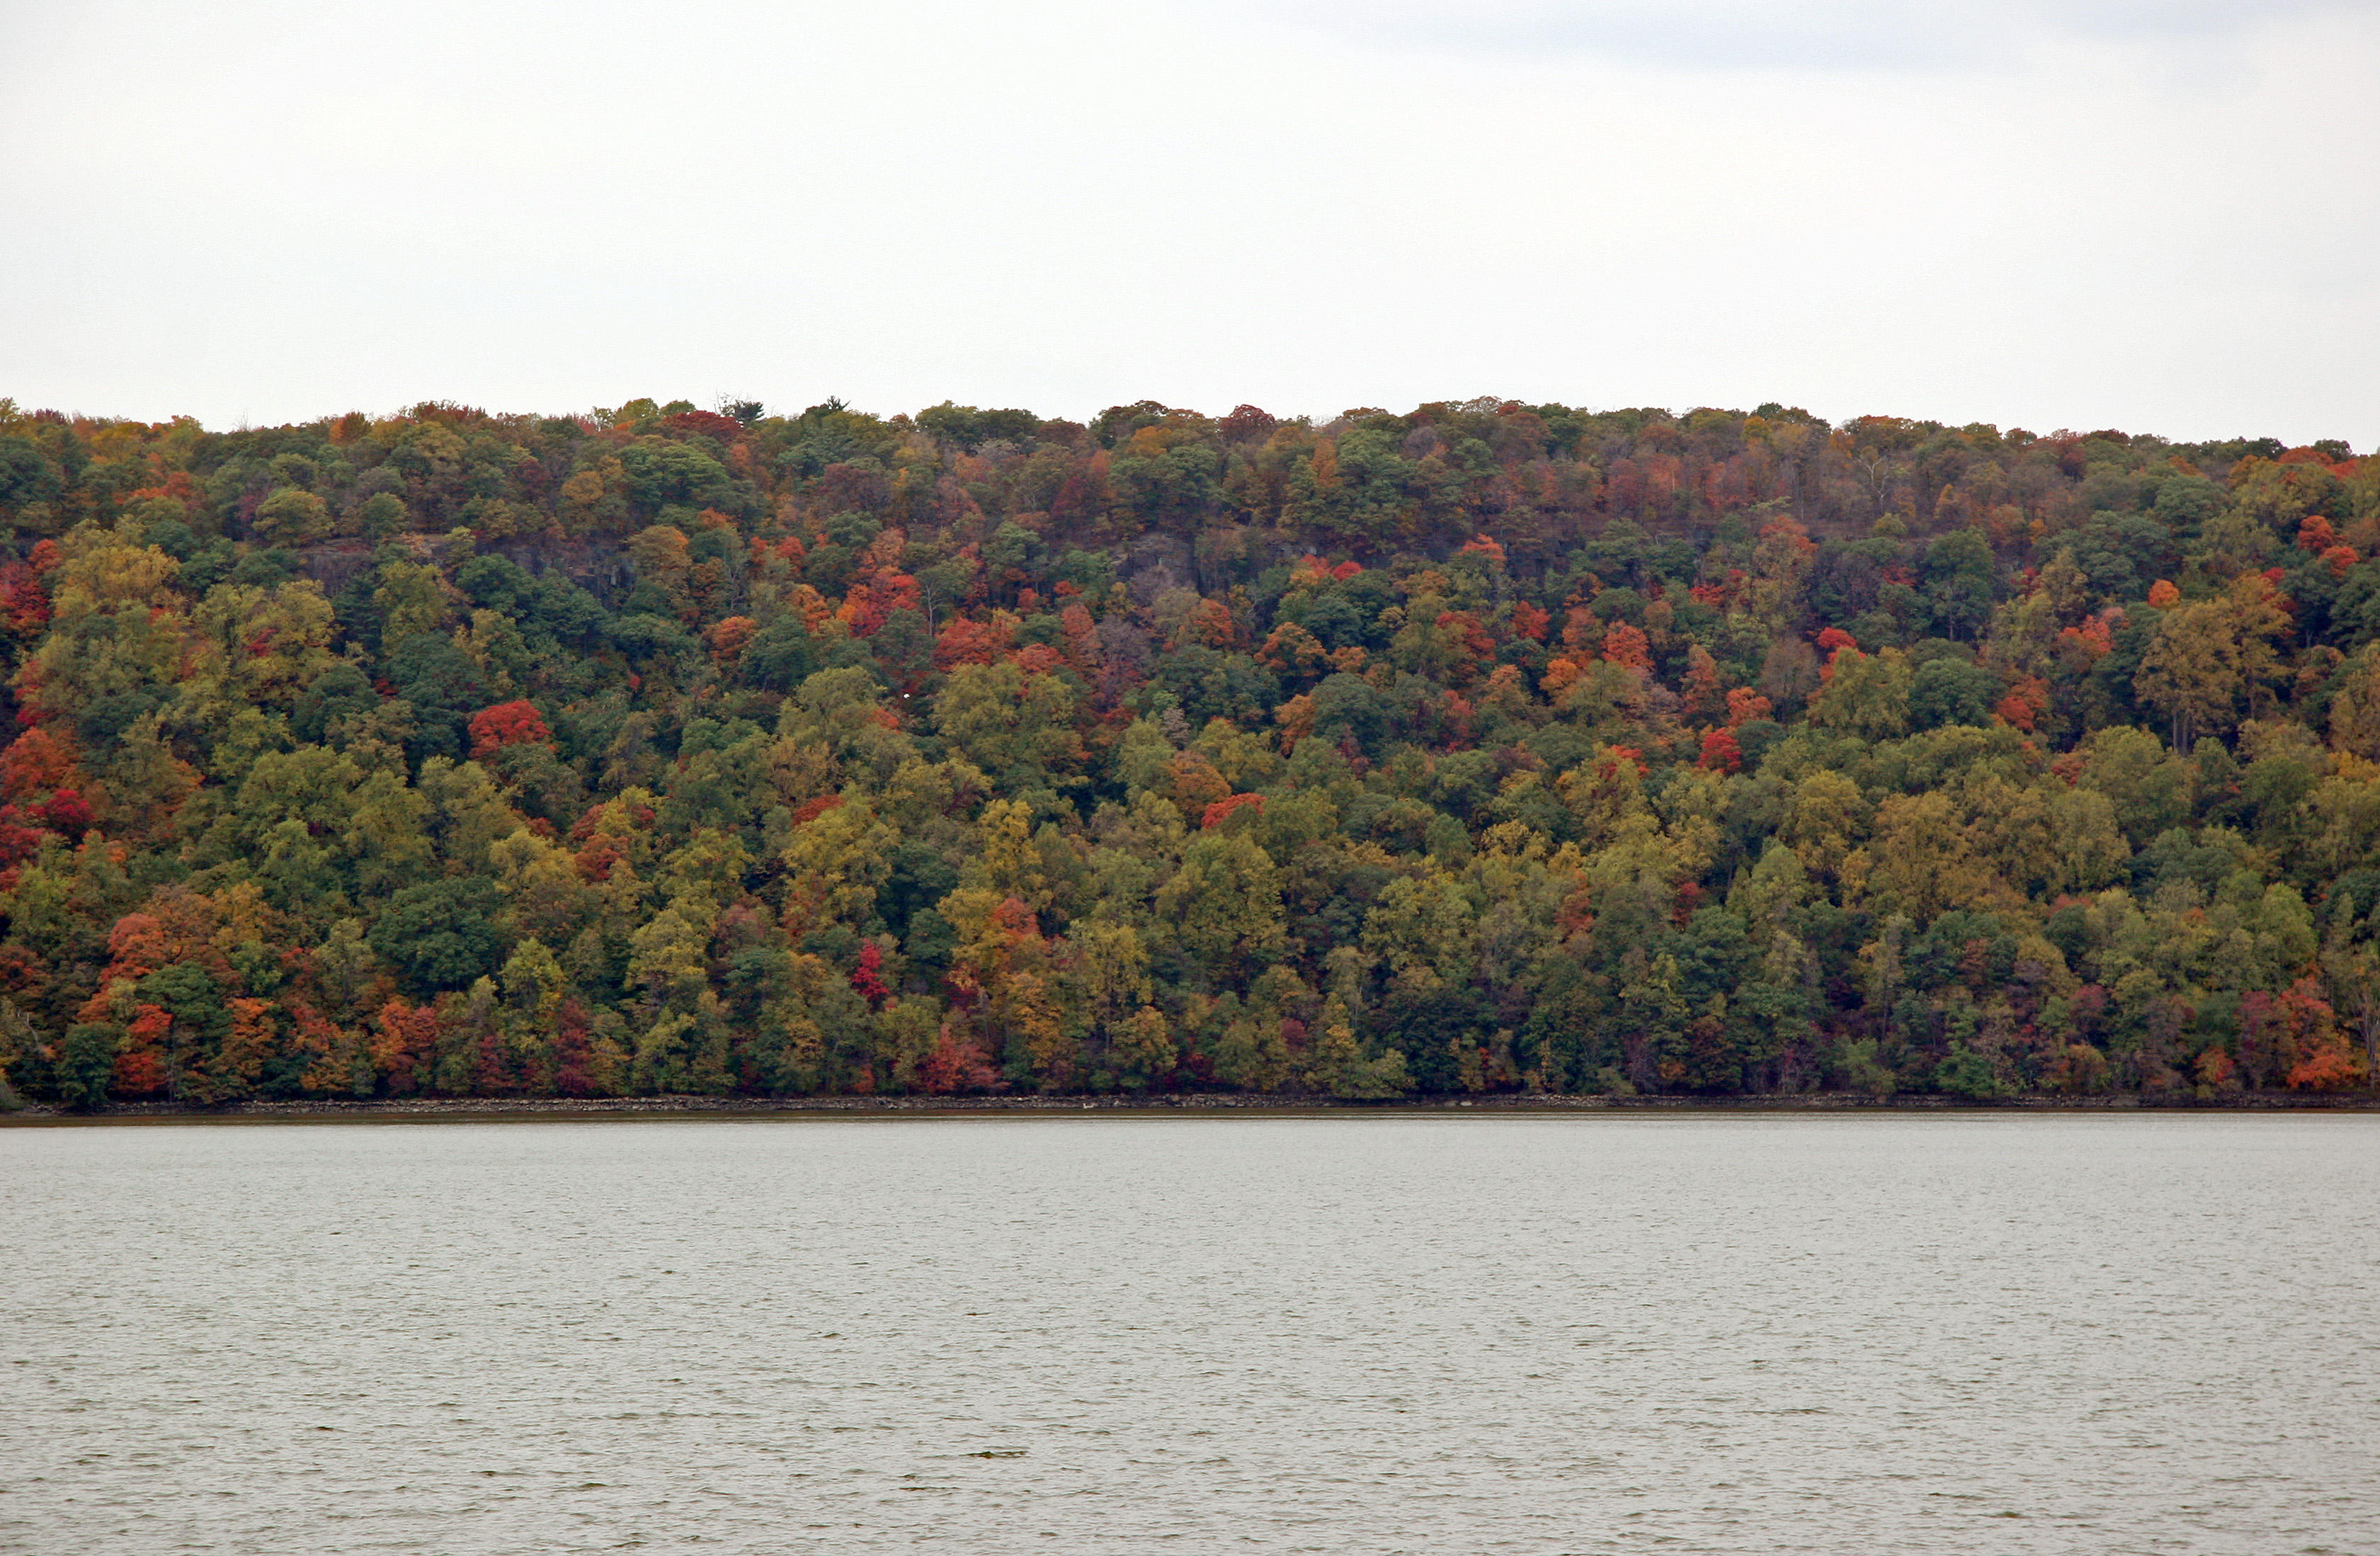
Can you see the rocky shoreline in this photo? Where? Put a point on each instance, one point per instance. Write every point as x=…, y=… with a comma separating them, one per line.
x=528, y=1109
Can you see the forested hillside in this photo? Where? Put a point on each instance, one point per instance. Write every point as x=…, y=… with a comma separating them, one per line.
x=1481, y=747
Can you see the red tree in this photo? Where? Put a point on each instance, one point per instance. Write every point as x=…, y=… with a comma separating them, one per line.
x=506, y=724
x=868, y=977
x=68, y=813
x=1720, y=753
x=1222, y=810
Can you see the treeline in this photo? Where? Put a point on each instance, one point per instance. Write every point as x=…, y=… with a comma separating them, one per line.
x=1484, y=747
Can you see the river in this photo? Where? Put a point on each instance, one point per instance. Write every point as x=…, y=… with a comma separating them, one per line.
x=1737, y=1333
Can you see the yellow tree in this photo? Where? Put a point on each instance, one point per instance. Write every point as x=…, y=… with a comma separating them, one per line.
x=1925, y=859
x=1224, y=903
x=1865, y=694
x=834, y=863
x=1826, y=821
x=2209, y=655
x=2148, y=786
x=2355, y=710
x=1107, y=966
x=1012, y=865
x=660, y=555
x=1018, y=727
x=1425, y=929
x=115, y=628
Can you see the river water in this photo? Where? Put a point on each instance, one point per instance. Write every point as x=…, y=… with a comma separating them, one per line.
x=1868, y=1334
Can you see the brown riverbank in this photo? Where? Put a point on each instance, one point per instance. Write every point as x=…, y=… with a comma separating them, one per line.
x=431, y=1110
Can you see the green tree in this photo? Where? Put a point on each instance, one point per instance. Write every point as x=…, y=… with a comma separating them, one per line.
x=441, y=935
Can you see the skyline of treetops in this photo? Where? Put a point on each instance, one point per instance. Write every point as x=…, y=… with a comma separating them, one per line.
x=1480, y=747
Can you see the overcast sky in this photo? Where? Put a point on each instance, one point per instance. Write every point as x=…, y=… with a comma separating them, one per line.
x=2160, y=217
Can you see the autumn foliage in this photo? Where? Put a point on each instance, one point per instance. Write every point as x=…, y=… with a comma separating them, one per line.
x=507, y=723
x=1480, y=747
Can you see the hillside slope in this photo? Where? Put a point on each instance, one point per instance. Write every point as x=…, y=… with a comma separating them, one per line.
x=1481, y=747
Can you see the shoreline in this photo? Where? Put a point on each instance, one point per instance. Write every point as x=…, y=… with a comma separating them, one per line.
x=529, y=1110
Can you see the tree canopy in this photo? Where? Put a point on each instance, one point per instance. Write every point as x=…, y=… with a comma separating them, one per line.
x=1484, y=747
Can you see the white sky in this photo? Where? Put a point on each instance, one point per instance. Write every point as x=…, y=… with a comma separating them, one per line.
x=2162, y=217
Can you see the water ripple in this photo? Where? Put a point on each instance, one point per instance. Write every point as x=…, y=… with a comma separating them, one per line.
x=1384, y=1335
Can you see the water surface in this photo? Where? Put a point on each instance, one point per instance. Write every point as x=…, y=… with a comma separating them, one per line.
x=1391, y=1334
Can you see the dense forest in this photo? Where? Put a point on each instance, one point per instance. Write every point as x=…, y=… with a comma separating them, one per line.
x=1485, y=747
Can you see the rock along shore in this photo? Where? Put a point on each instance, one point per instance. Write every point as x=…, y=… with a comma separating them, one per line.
x=486, y=1109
